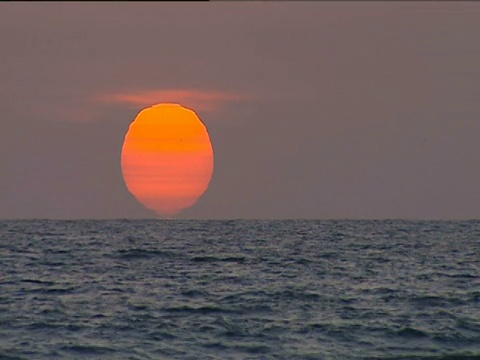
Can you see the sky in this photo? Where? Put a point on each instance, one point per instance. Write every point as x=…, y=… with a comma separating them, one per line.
x=316, y=110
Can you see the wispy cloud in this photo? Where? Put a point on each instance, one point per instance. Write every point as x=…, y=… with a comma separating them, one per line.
x=201, y=100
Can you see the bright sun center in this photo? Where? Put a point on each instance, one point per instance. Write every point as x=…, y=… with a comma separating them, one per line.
x=167, y=158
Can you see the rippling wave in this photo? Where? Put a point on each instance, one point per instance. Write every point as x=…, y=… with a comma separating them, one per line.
x=144, y=289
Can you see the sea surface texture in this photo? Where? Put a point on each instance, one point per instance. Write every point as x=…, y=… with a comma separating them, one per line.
x=147, y=289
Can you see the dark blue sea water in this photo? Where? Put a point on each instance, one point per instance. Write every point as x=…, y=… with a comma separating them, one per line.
x=265, y=290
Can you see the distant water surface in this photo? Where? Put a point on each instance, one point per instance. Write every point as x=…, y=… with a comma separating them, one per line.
x=129, y=289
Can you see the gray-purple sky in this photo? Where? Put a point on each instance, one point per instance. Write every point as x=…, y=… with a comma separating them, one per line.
x=315, y=109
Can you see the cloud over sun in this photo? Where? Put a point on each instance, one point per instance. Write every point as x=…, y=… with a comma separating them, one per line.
x=201, y=100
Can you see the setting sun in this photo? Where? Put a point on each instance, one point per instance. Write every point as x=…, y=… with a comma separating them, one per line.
x=167, y=158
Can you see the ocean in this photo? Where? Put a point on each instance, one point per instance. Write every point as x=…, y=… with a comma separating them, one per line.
x=239, y=289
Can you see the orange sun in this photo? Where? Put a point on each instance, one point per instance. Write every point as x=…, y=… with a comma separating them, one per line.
x=167, y=158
